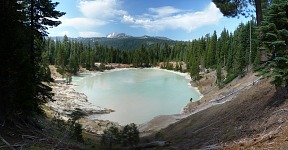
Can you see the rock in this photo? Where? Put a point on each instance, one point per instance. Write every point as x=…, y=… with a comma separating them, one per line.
x=60, y=80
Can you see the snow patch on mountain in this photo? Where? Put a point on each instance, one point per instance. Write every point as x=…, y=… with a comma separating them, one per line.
x=117, y=35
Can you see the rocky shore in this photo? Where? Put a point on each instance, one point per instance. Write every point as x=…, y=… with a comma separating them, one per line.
x=67, y=100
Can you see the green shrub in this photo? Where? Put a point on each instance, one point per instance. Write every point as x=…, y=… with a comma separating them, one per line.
x=60, y=70
x=77, y=132
x=114, y=137
x=229, y=78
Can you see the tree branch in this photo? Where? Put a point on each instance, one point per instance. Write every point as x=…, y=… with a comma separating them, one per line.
x=8, y=144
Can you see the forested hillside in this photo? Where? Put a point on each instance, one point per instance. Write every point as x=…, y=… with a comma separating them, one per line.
x=123, y=43
x=231, y=51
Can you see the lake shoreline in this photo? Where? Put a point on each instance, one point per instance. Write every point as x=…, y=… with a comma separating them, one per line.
x=89, y=124
x=212, y=95
x=66, y=100
x=184, y=74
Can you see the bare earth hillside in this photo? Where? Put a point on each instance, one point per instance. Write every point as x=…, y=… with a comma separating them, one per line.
x=212, y=96
x=255, y=119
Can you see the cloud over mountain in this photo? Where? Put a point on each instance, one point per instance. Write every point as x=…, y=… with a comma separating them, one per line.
x=168, y=17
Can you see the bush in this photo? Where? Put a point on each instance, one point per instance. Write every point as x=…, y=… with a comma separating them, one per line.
x=77, y=132
x=60, y=70
x=71, y=127
x=114, y=138
x=158, y=135
x=130, y=135
x=111, y=137
x=229, y=78
x=76, y=128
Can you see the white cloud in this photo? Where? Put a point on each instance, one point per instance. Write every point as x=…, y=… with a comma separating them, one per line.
x=175, y=19
x=89, y=34
x=128, y=19
x=82, y=23
x=95, y=13
x=164, y=11
x=101, y=9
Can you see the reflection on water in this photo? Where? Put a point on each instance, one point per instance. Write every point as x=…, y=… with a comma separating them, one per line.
x=136, y=95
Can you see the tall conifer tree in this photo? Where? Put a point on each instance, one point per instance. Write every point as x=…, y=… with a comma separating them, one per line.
x=274, y=38
x=24, y=68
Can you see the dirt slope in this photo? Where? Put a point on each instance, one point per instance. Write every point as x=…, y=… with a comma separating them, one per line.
x=212, y=96
x=253, y=119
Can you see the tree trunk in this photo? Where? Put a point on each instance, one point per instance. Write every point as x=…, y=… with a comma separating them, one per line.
x=281, y=93
x=259, y=15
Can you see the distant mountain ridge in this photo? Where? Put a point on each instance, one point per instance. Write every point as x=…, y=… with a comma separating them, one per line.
x=123, y=35
x=122, y=41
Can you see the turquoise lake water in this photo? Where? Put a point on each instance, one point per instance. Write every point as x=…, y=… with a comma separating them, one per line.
x=136, y=95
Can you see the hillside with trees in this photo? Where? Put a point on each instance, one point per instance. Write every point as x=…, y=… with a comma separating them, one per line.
x=235, y=52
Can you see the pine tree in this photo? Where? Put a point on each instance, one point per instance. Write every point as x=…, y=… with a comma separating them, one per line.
x=25, y=23
x=230, y=56
x=211, y=58
x=257, y=61
x=130, y=135
x=274, y=33
x=223, y=46
x=239, y=46
x=219, y=75
x=111, y=137
x=195, y=70
x=233, y=8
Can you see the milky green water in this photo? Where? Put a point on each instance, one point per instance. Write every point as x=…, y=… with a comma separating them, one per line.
x=136, y=95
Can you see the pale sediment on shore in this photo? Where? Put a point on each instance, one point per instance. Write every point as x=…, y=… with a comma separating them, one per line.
x=67, y=100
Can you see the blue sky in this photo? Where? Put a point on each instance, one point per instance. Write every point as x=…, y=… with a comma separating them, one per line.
x=175, y=19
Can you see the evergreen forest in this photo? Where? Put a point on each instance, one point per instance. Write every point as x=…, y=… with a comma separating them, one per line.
x=233, y=52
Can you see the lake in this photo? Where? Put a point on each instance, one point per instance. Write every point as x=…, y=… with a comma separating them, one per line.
x=136, y=95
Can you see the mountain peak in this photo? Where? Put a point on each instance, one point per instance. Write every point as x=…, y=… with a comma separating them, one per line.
x=117, y=35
